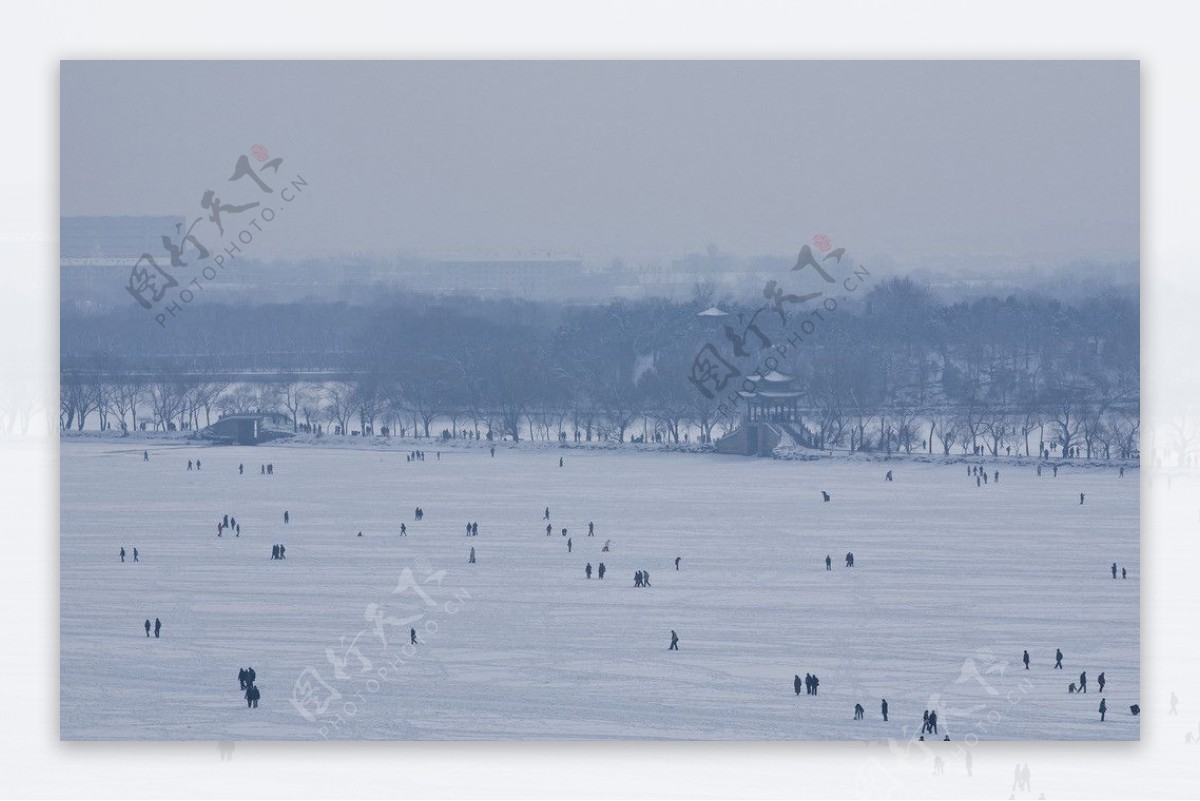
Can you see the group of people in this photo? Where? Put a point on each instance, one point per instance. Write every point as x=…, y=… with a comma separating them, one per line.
x=189, y=463
x=472, y=529
x=810, y=683
x=246, y=677
x=981, y=476
x=157, y=627
x=600, y=570
x=829, y=561
x=641, y=578
x=1114, y=571
x=419, y=456
x=1081, y=686
x=277, y=552
x=231, y=524
x=135, y=554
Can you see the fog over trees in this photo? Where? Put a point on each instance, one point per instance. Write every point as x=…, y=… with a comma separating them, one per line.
x=895, y=369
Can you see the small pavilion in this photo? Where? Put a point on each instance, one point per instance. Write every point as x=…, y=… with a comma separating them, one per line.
x=774, y=398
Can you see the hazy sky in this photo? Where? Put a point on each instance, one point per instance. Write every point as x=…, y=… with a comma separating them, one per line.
x=918, y=160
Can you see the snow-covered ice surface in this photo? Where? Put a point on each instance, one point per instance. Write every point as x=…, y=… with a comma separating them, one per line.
x=951, y=583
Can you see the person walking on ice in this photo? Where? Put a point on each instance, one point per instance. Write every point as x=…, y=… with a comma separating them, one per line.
x=677, y=558
x=1058, y=659
x=1081, y=499
x=1083, y=682
x=1103, y=709
x=135, y=554
x=828, y=562
x=546, y=514
x=157, y=627
x=591, y=529
x=412, y=636
x=1122, y=574
x=568, y=544
x=674, y=646
x=600, y=571
x=147, y=627
x=252, y=696
x=1025, y=659
x=797, y=684
x=1114, y=570
x=286, y=518
x=122, y=554
x=645, y=578
x=588, y=570
x=146, y=457
x=1100, y=681
x=883, y=708
x=472, y=559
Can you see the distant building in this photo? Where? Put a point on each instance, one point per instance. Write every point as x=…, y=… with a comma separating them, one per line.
x=97, y=253
x=772, y=413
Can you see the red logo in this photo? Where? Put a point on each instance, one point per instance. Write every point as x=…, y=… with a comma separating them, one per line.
x=822, y=242
x=259, y=152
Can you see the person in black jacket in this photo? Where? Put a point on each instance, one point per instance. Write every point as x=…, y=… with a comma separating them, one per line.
x=252, y=696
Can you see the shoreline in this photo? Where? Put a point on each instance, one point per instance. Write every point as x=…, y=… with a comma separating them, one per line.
x=143, y=439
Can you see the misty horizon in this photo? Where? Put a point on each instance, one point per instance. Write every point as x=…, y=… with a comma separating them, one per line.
x=970, y=165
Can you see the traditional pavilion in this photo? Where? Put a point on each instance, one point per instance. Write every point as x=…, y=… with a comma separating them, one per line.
x=774, y=399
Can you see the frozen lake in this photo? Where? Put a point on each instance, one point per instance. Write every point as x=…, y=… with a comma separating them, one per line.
x=951, y=583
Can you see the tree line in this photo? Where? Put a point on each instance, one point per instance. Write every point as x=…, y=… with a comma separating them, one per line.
x=895, y=369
